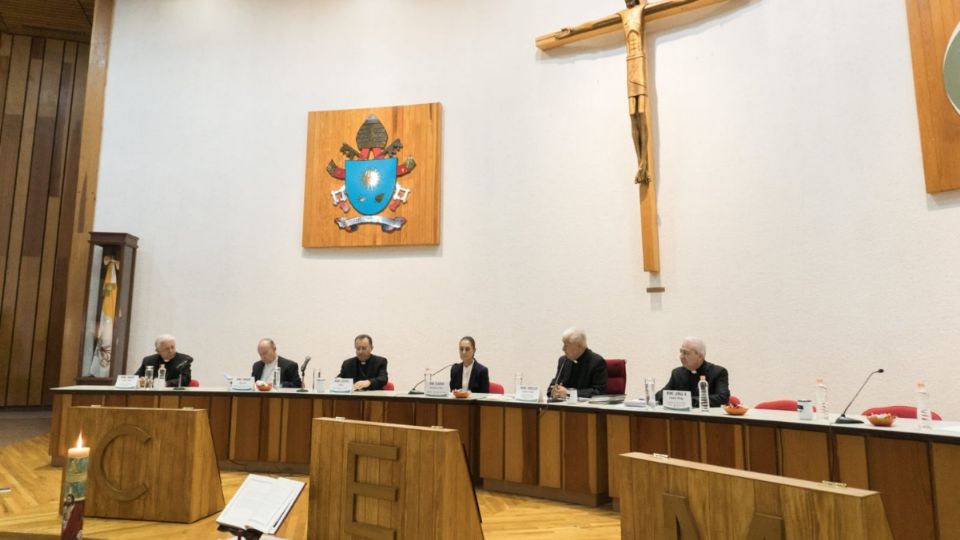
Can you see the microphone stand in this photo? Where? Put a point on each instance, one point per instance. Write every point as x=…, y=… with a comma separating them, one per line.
x=843, y=419
x=414, y=392
x=179, y=386
x=556, y=380
x=303, y=375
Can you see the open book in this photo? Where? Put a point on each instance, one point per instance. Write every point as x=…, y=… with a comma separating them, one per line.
x=261, y=503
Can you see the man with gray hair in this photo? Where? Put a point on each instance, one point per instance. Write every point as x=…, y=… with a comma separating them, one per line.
x=693, y=360
x=579, y=368
x=177, y=364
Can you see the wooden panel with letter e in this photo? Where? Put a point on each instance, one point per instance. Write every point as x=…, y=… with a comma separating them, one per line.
x=386, y=481
x=343, y=186
x=932, y=22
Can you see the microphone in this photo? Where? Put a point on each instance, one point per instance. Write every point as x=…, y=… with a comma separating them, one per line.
x=303, y=374
x=556, y=378
x=186, y=361
x=414, y=392
x=842, y=419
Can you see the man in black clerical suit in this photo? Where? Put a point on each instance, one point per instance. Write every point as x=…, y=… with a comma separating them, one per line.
x=270, y=361
x=693, y=357
x=469, y=374
x=368, y=372
x=578, y=368
x=177, y=364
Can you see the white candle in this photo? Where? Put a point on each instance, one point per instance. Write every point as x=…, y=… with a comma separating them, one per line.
x=79, y=451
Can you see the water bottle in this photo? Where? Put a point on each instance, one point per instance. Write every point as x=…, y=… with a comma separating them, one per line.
x=923, y=407
x=149, y=377
x=426, y=381
x=821, y=394
x=161, y=380
x=704, y=389
x=517, y=382
x=276, y=378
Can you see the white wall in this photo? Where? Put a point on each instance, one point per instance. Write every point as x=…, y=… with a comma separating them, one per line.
x=796, y=235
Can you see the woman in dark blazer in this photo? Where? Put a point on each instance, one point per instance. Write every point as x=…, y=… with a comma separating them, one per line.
x=478, y=378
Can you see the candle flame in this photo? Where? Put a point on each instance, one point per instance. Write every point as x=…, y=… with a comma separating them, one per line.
x=80, y=441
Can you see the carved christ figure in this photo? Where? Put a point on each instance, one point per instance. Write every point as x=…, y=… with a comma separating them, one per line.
x=632, y=20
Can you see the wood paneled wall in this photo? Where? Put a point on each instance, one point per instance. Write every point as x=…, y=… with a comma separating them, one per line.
x=42, y=87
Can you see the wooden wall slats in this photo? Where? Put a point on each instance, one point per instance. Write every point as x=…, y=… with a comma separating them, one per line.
x=39, y=103
x=64, y=76
x=70, y=172
x=49, y=62
x=18, y=268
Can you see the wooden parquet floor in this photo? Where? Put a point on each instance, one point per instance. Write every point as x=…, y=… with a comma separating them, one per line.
x=30, y=510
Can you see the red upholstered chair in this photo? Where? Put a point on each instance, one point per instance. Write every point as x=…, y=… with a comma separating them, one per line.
x=388, y=386
x=900, y=411
x=194, y=383
x=496, y=388
x=778, y=405
x=616, y=376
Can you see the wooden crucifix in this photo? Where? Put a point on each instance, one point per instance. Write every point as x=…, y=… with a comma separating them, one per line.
x=632, y=20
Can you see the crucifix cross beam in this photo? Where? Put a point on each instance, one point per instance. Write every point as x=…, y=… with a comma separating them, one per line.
x=631, y=20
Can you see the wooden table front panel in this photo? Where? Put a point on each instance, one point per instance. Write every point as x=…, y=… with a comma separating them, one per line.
x=946, y=479
x=584, y=452
x=900, y=470
x=804, y=454
x=618, y=442
x=851, y=460
x=491, y=442
x=521, y=445
x=723, y=444
x=763, y=449
x=684, y=439
x=245, y=426
x=550, y=441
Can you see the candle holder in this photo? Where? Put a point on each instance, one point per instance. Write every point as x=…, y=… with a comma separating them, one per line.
x=74, y=492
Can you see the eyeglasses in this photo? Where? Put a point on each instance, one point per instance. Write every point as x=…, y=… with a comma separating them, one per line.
x=244, y=534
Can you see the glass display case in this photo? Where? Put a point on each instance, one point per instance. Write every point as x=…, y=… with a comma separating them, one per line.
x=113, y=260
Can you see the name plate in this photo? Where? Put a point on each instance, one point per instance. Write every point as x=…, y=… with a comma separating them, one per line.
x=127, y=381
x=528, y=393
x=242, y=384
x=437, y=389
x=342, y=386
x=677, y=400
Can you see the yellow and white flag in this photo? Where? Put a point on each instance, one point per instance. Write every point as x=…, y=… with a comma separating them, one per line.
x=100, y=367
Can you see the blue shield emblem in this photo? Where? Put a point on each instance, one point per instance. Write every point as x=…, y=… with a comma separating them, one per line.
x=370, y=184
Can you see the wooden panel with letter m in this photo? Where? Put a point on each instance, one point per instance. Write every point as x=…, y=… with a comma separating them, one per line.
x=373, y=177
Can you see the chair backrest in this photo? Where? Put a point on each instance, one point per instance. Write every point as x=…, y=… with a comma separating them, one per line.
x=616, y=376
x=388, y=386
x=193, y=382
x=778, y=405
x=496, y=388
x=900, y=411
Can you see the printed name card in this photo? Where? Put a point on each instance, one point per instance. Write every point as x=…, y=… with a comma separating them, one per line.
x=437, y=389
x=528, y=393
x=127, y=381
x=242, y=384
x=676, y=400
x=342, y=386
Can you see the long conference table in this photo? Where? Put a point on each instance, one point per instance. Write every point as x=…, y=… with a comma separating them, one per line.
x=566, y=451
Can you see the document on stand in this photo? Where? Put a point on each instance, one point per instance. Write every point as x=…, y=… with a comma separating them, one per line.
x=261, y=503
